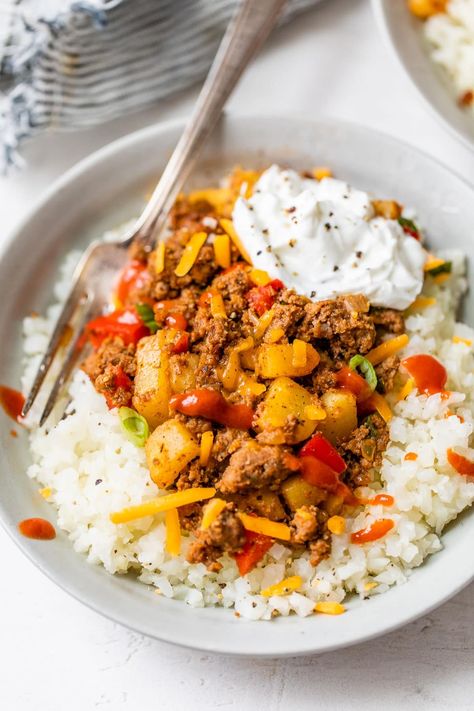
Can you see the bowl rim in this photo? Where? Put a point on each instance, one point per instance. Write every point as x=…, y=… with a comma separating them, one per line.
x=384, y=25
x=88, y=163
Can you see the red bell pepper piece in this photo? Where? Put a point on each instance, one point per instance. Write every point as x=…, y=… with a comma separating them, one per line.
x=125, y=323
x=121, y=381
x=176, y=320
x=255, y=547
x=213, y=406
x=427, y=372
x=319, y=447
x=262, y=298
x=349, y=379
x=181, y=345
x=319, y=474
x=133, y=277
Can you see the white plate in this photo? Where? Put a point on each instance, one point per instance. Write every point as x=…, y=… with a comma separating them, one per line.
x=108, y=187
x=404, y=33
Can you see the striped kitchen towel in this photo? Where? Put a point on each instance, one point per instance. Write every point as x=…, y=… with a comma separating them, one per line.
x=70, y=64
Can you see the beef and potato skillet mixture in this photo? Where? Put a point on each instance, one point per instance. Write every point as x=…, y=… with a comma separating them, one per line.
x=261, y=410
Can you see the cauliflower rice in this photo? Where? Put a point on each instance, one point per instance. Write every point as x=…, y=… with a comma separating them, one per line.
x=451, y=38
x=91, y=469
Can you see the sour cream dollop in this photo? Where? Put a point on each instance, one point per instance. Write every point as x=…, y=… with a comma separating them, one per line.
x=322, y=239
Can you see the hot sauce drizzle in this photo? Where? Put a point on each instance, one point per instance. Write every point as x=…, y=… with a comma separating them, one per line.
x=37, y=528
x=429, y=375
x=12, y=402
x=372, y=532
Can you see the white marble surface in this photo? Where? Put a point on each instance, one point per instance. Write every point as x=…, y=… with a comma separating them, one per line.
x=55, y=653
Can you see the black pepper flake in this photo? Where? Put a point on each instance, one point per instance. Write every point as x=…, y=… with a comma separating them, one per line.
x=359, y=254
x=335, y=268
x=291, y=209
x=327, y=226
x=259, y=252
x=265, y=231
x=98, y=481
x=313, y=294
x=331, y=214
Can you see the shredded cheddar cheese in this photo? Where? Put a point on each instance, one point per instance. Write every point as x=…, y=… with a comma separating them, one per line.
x=274, y=335
x=406, y=390
x=211, y=512
x=259, y=277
x=207, y=440
x=160, y=258
x=162, y=503
x=321, y=171
x=228, y=227
x=329, y=608
x=229, y=375
x=222, y=250
x=441, y=278
x=217, y=306
x=314, y=412
x=190, y=253
x=173, y=532
x=411, y=457
x=337, y=525
x=299, y=353
x=420, y=303
x=263, y=323
x=259, y=524
x=382, y=406
x=433, y=262
x=458, y=339
x=45, y=493
x=370, y=585
x=386, y=349
x=284, y=587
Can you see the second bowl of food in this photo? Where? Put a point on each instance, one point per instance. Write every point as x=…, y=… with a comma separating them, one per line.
x=270, y=426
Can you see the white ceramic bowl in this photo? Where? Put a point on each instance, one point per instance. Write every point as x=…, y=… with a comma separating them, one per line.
x=99, y=193
x=404, y=33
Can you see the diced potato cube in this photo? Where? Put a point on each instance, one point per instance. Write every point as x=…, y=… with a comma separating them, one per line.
x=152, y=380
x=285, y=399
x=168, y=450
x=341, y=414
x=276, y=360
x=297, y=492
x=183, y=372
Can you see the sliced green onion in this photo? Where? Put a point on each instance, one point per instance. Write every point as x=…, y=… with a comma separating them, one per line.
x=444, y=268
x=366, y=368
x=147, y=316
x=134, y=426
x=409, y=226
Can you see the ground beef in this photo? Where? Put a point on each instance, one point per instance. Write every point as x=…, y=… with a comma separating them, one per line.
x=319, y=550
x=256, y=466
x=225, y=535
x=278, y=435
x=386, y=372
x=190, y=516
x=389, y=320
x=343, y=323
x=364, y=449
x=185, y=304
x=190, y=216
x=289, y=312
x=324, y=377
x=196, y=425
x=233, y=285
x=219, y=333
x=104, y=365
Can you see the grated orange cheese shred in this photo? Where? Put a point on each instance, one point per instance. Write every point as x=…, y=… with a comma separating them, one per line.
x=420, y=303
x=229, y=375
x=441, y=278
x=433, y=262
x=458, y=339
x=228, y=227
x=159, y=261
x=219, y=198
x=387, y=348
x=284, y=587
x=245, y=345
x=299, y=353
x=406, y=390
x=173, y=532
x=211, y=512
x=426, y=8
x=190, y=253
x=275, y=334
x=321, y=171
x=382, y=406
x=249, y=386
x=207, y=440
x=222, y=250
x=259, y=524
x=259, y=277
x=329, y=608
x=410, y=457
x=46, y=492
x=337, y=525
x=263, y=323
x=162, y=503
x=370, y=585
x=217, y=306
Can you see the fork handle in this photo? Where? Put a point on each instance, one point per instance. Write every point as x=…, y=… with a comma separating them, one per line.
x=246, y=32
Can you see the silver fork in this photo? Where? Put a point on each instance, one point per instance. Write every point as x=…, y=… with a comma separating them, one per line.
x=100, y=264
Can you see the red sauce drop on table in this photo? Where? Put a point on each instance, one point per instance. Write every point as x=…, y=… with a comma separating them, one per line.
x=12, y=402
x=373, y=531
x=37, y=528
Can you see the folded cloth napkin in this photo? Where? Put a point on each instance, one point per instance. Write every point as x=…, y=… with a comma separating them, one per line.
x=69, y=64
